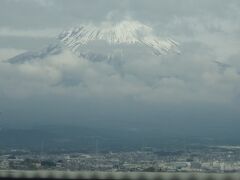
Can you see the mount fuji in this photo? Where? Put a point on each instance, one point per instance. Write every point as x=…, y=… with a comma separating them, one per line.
x=106, y=41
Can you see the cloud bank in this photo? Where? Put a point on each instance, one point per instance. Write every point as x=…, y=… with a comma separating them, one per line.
x=172, y=78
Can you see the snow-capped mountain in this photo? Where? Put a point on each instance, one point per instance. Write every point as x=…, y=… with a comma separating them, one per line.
x=106, y=41
x=126, y=32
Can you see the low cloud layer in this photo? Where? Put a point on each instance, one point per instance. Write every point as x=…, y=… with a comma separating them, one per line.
x=172, y=78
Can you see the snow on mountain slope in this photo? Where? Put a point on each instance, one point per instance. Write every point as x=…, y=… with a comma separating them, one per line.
x=125, y=32
x=106, y=41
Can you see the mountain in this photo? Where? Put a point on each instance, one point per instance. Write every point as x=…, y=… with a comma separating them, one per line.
x=106, y=41
x=50, y=50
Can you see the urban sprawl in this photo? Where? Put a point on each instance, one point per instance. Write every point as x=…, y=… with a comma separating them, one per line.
x=211, y=159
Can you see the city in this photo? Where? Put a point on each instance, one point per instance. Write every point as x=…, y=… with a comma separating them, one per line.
x=215, y=159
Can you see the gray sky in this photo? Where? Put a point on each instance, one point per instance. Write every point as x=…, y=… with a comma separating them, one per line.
x=205, y=75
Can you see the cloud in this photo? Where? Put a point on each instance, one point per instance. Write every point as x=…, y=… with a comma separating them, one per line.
x=6, y=53
x=169, y=79
x=33, y=33
x=42, y=3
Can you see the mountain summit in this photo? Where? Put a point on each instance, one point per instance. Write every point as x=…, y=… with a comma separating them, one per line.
x=125, y=32
x=104, y=41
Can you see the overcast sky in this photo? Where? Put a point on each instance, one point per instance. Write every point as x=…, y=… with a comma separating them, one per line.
x=205, y=75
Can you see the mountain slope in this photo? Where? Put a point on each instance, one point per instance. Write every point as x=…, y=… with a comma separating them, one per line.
x=50, y=50
x=125, y=32
x=106, y=41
